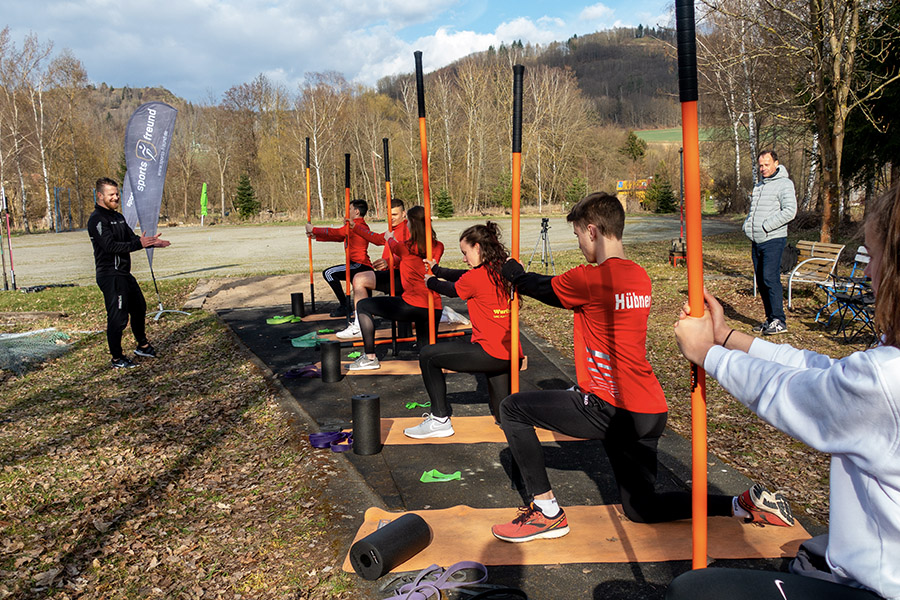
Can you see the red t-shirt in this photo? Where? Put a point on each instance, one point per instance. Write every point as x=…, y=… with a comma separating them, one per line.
x=612, y=303
x=489, y=311
x=358, y=243
x=401, y=234
x=412, y=274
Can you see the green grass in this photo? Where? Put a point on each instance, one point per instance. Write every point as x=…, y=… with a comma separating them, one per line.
x=179, y=464
x=669, y=136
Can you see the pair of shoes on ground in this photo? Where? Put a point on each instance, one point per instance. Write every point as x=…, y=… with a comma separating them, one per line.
x=350, y=332
x=771, y=327
x=123, y=362
x=364, y=363
x=430, y=427
x=765, y=507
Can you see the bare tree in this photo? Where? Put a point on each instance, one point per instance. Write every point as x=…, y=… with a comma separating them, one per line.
x=46, y=125
x=72, y=78
x=319, y=108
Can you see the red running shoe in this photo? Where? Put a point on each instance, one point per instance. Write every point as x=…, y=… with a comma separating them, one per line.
x=765, y=507
x=531, y=524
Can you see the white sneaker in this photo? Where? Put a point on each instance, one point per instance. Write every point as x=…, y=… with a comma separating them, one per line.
x=364, y=363
x=351, y=332
x=431, y=427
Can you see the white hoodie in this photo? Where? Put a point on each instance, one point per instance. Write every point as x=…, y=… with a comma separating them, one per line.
x=849, y=408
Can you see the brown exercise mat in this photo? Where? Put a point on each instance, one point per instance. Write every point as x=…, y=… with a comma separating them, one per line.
x=395, y=367
x=321, y=317
x=599, y=534
x=385, y=333
x=468, y=430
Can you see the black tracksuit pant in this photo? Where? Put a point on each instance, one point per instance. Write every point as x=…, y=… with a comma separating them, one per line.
x=124, y=299
x=462, y=357
x=630, y=440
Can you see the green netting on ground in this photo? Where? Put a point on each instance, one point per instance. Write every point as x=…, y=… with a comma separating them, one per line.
x=19, y=351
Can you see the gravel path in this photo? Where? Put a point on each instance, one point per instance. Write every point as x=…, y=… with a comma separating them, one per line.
x=231, y=251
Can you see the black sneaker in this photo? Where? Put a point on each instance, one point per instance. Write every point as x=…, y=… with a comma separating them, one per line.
x=760, y=328
x=147, y=351
x=340, y=311
x=122, y=363
x=775, y=327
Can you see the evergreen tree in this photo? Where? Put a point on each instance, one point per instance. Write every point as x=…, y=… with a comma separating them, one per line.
x=443, y=204
x=659, y=196
x=576, y=191
x=245, y=201
x=501, y=195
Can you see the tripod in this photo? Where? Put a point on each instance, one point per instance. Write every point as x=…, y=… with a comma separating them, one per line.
x=544, y=243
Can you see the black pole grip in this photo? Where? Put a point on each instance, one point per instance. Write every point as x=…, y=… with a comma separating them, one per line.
x=420, y=84
x=518, y=73
x=687, y=50
x=347, y=171
x=307, y=153
x=387, y=161
x=392, y=545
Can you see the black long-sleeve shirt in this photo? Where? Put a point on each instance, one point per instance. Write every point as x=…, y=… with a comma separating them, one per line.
x=534, y=285
x=444, y=280
x=113, y=241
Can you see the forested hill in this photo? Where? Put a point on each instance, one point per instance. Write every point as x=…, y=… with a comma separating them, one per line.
x=629, y=75
x=631, y=81
x=115, y=105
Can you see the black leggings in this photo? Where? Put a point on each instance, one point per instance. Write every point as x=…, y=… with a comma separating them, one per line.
x=124, y=299
x=396, y=309
x=740, y=584
x=463, y=357
x=630, y=440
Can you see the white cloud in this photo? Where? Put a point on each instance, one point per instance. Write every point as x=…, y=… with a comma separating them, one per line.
x=596, y=12
x=195, y=47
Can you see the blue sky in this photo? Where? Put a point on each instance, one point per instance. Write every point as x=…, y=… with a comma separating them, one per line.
x=200, y=48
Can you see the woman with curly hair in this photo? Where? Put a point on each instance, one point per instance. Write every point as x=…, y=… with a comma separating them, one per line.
x=487, y=297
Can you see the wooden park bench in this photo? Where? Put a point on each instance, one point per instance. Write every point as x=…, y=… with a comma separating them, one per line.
x=815, y=264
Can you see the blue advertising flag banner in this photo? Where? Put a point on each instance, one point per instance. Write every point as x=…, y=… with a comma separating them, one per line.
x=147, y=140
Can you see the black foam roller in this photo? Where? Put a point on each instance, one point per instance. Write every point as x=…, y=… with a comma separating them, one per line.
x=392, y=545
x=297, y=307
x=366, y=409
x=331, y=361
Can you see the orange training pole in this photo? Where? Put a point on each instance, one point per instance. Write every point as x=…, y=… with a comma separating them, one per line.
x=420, y=93
x=347, y=239
x=387, y=203
x=390, y=219
x=312, y=292
x=449, y=334
x=518, y=73
x=687, y=85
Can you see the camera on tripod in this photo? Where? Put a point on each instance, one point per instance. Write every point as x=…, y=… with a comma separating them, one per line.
x=544, y=244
